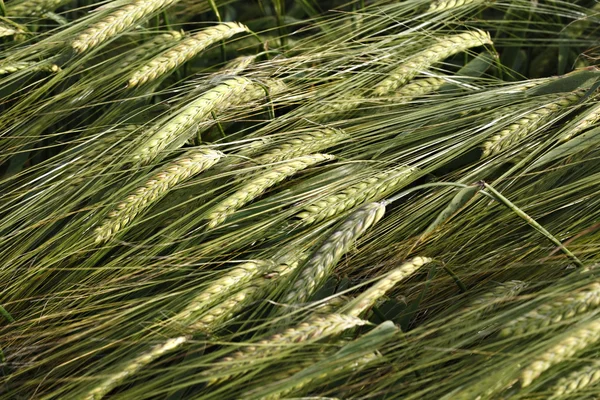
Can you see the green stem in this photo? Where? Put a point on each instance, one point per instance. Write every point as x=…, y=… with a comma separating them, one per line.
x=6, y=314
x=533, y=223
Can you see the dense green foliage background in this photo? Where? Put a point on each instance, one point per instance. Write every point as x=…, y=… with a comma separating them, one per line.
x=330, y=199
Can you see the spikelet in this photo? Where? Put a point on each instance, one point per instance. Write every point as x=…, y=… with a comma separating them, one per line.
x=258, y=185
x=153, y=45
x=230, y=92
x=443, y=5
x=221, y=288
x=589, y=119
x=236, y=302
x=8, y=30
x=23, y=65
x=315, y=328
x=369, y=189
x=530, y=122
x=418, y=88
x=184, y=51
x=116, y=22
x=554, y=312
x=238, y=64
x=444, y=48
x=579, y=339
x=190, y=164
x=367, y=299
x=301, y=144
x=133, y=367
x=325, y=258
x=32, y=8
x=497, y=296
x=576, y=380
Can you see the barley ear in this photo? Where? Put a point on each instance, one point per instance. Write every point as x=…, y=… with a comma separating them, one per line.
x=32, y=8
x=373, y=188
x=443, y=5
x=554, y=312
x=320, y=265
x=159, y=184
x=116, y=22
x=422, y=61
x=576, y=381
x=367, y=299
x=184, y=51
x=258, y=185
x=577, y=340
x=133, y=367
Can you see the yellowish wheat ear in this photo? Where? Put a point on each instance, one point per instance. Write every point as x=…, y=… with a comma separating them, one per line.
x=159, y=184
x=151, y=46
x=25, y=65
x=417, y=89
x=116, y=22
x=258, y=185
x=184, y=51
x=32, y=8
x=576, y=381
x=320, y=265
x=422, y=61
x=589, y=119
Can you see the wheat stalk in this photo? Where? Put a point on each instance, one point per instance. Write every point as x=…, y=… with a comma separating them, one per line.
x=418, y=88
x=133, y=367
x=576, y=381
x=315, y=328
x=116, y=22
x=527, y=124
x=324, y=259
x=258, y=185
x=221, y=288
x=24, y=65
x=444, y=48
x=184, y=51
x=301, y=144
x=231, y=92
x=443, y=5
x=555, y=312
x=153, y=45
x=589, y=119
x=187, y=165
x=577, y=341
x=32, y=8
x=372, y=188
x=367, y=299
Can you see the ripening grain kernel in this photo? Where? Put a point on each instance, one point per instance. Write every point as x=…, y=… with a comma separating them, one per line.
x=443, y=5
